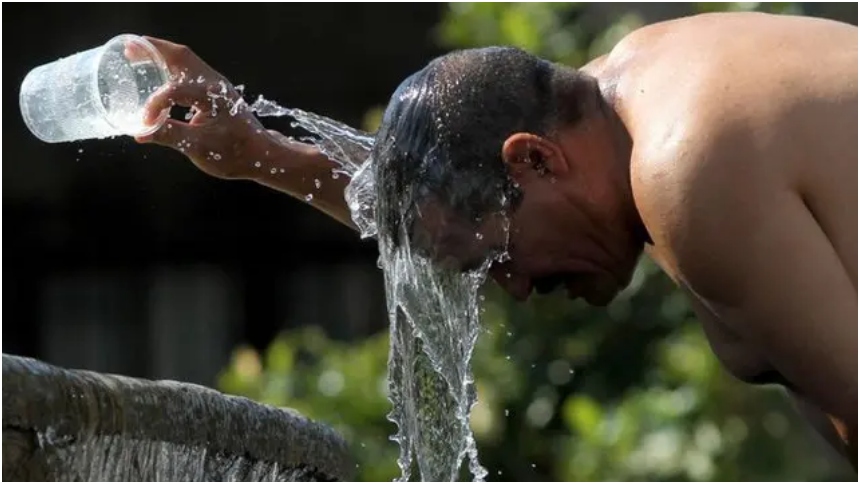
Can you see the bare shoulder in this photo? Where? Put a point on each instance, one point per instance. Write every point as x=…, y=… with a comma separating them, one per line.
x=709, y=23
x=700, y=193
x=719, y=135
x=713, y=63
x=723, y=193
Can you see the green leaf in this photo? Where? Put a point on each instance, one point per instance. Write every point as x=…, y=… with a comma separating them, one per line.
x=519, y=30
x=583, y=415
x=280, y=356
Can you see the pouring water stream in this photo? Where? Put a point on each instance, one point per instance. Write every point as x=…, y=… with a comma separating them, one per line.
x=434, y=319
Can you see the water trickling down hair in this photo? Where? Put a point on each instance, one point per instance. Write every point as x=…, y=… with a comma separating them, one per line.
x=444, y=128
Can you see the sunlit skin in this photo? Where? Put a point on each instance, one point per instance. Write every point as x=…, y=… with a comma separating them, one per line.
x=577, y=226
x=724, y=146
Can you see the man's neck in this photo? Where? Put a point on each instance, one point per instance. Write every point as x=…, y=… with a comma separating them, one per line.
x=622, y=144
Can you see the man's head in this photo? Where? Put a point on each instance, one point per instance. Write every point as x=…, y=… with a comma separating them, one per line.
x=483, y=138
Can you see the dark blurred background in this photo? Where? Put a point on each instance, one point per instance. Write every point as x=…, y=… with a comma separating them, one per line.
x=126, y=259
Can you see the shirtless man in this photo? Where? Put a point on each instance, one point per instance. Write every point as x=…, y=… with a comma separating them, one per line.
x=722, y=145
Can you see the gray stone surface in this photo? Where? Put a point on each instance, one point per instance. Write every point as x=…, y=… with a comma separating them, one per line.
x=77, y=425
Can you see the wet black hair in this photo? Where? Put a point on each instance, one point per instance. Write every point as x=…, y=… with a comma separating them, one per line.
x=443, y=130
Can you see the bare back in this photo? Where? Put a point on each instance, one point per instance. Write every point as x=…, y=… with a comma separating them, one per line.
x=745, y=103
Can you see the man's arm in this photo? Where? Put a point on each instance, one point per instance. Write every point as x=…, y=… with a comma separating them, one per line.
x=231, y=143
x=303, y=172
x=745, y=242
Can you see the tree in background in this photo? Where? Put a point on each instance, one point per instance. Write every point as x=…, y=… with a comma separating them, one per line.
x=566, y=392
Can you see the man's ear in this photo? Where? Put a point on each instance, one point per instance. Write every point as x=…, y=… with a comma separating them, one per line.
x=529, y=154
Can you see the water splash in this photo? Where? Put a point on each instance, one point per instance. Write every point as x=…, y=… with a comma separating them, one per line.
x=347, y=146
x=433, y=312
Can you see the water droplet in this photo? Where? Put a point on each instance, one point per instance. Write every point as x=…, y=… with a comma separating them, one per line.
x=508, y=357
x=479, y=236
x=362, y=445
x=217, y=156
x=273, y=171
x=508, y=275
x=500, y=472
x=200, y=79
x=282, y=170
x=507, y=413
x=510, y=334
x=335, y=175
x=317, y=183
x=257, y=164
x=309, y=197
x=534, y=466
x=80, y=150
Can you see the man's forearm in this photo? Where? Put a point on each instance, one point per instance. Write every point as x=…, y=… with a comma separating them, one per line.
x=303, y=172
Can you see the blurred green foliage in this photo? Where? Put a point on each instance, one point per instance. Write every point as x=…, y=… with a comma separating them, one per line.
x=566, y=392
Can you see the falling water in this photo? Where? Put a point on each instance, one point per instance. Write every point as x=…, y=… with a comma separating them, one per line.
x=346, y=146
x=434, y=318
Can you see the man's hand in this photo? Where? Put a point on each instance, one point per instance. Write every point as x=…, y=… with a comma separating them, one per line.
x=223, y=137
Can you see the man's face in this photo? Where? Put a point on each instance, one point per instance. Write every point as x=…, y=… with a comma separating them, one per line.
x=573, y=228
x=554, y=245
x=551, y=243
